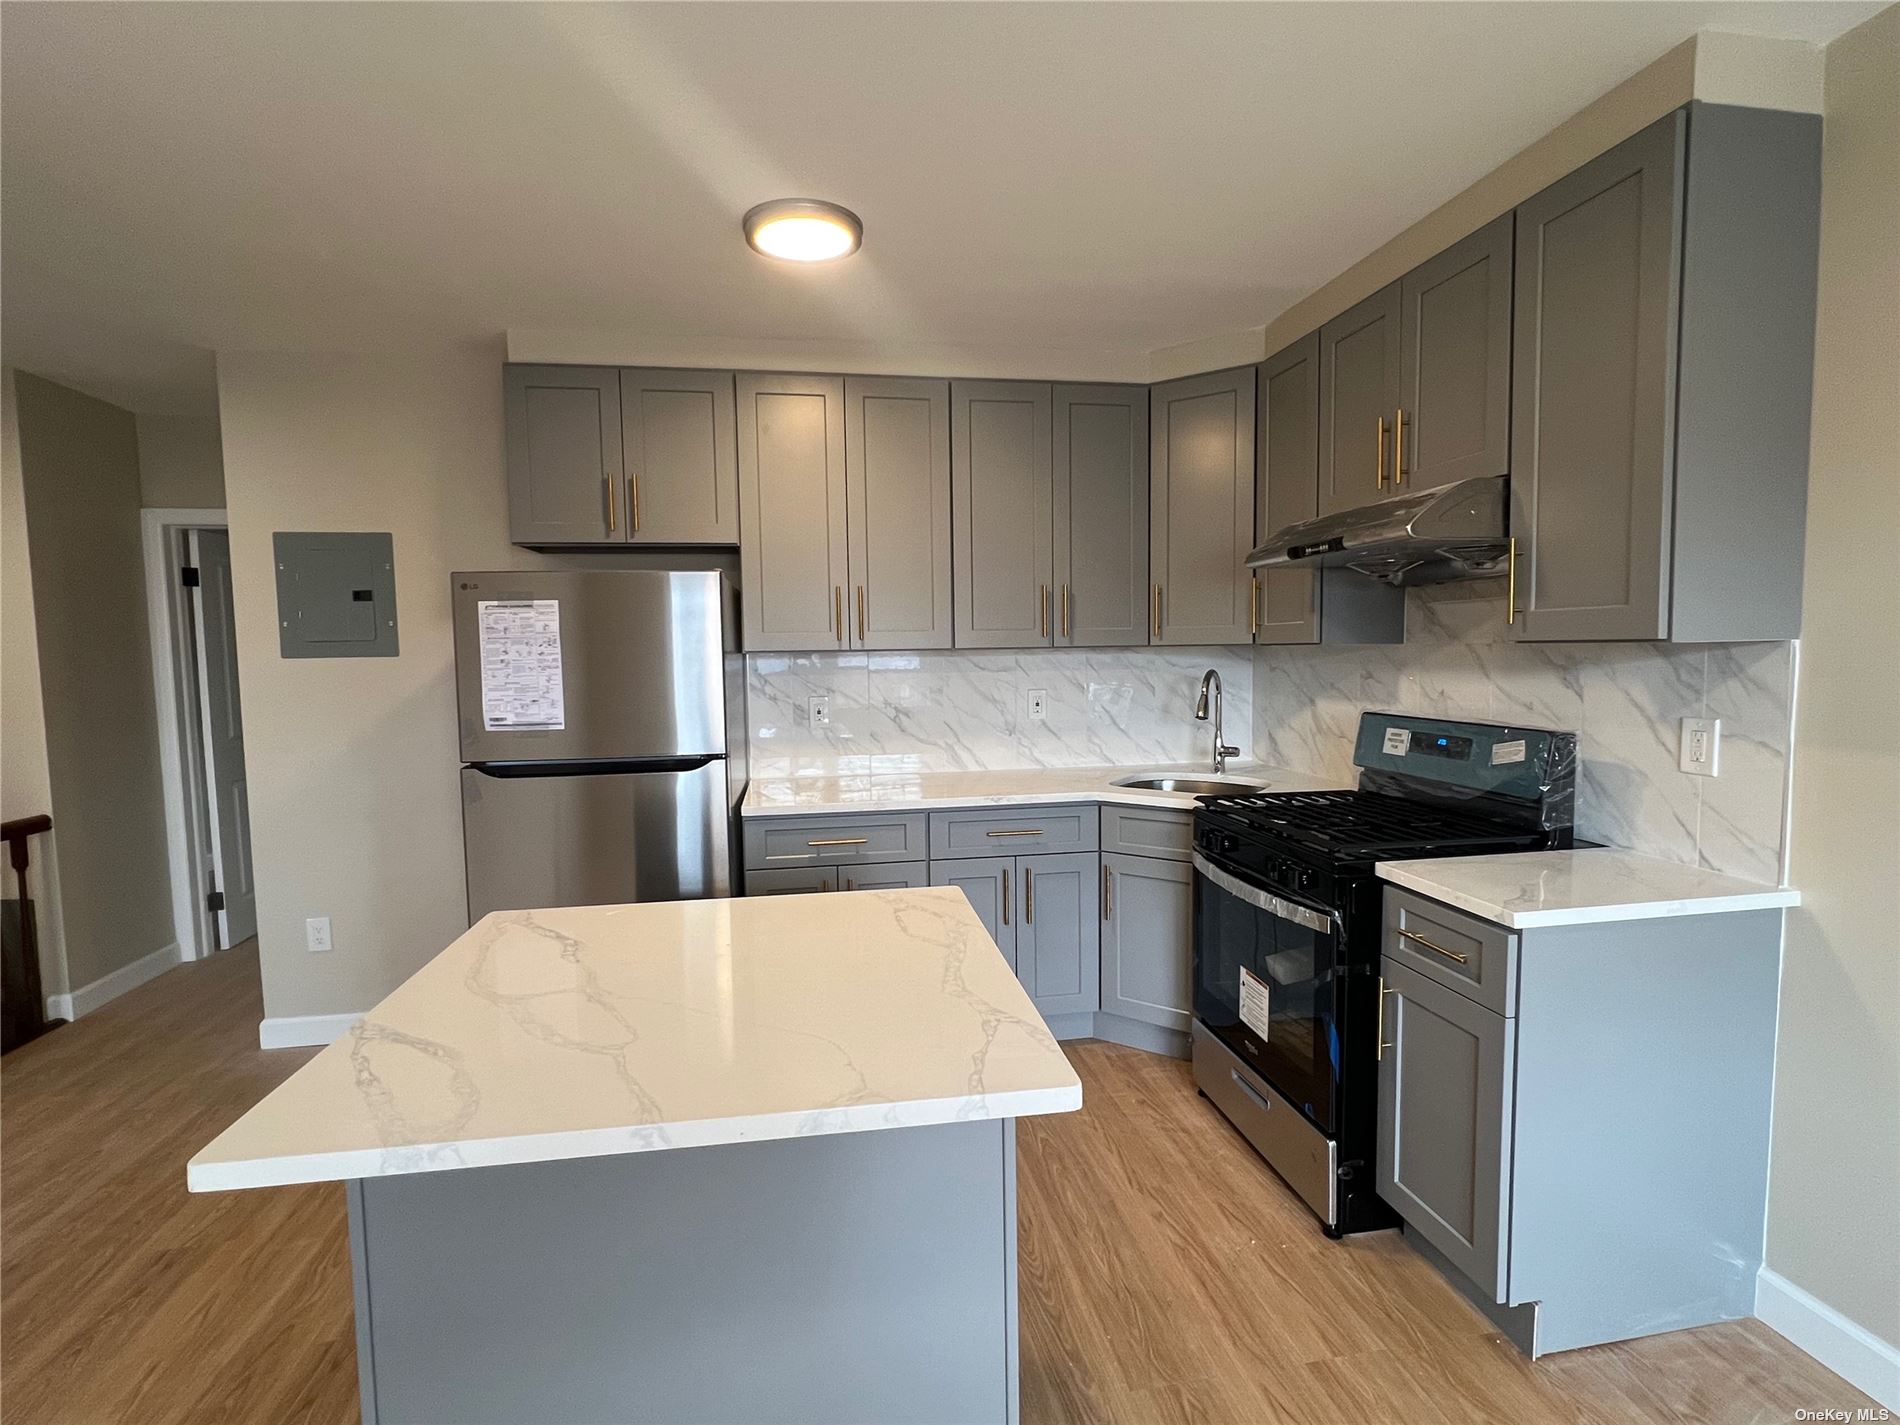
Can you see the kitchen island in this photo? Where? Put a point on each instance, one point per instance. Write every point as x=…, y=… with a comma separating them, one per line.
x=724, y=1160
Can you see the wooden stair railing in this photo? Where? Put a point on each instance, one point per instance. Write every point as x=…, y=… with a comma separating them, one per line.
x=22, y=998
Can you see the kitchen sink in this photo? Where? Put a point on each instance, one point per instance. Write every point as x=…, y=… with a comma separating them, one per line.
x=1190, y=786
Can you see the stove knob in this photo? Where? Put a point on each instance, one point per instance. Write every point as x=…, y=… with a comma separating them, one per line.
x=1229, y=844
x=1307, y=878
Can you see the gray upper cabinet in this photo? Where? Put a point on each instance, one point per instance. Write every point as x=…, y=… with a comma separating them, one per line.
x=1003, y=493
x=681, y=457
x=563, y=454
x=1148, y=940
x=1201, y=439
x=1358, y=402
x=1287, y=600
x=897, y=464
x=1101, y=516
x=1454, y=421
x=792, y=511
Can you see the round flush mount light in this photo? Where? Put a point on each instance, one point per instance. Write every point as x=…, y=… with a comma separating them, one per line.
x=803, y=230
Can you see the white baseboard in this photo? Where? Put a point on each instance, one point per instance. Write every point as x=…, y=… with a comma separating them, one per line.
x=301, y=1031
x=1845, y=1347
x=107, y=988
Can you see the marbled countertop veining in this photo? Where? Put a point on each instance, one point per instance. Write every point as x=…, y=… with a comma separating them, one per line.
x=597, y=1030
x=1590, y=887
x=1021, y=786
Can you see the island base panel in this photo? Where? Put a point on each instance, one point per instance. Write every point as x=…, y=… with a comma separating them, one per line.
x=859, y=1276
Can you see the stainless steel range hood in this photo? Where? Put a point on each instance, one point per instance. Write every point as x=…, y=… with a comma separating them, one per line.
x=1456, y=531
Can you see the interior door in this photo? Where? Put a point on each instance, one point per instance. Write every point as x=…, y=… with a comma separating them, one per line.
x=223, y=719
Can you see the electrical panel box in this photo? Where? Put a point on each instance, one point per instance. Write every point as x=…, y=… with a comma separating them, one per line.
x=336, y=595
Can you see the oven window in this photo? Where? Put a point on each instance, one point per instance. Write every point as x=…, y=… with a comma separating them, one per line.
x=1296, y=967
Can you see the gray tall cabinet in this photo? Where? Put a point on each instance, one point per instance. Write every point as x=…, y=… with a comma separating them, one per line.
x=1202, y=468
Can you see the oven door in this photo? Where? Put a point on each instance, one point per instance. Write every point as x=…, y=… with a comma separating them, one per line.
x=1267, y=983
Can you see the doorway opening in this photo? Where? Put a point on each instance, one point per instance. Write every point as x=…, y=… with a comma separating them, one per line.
x=189, y=596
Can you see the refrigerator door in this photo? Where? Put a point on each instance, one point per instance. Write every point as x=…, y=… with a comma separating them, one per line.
x=555, y=665
x=594, y=837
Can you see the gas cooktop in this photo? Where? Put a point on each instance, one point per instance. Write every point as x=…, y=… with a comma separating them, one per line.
x=1364, y=826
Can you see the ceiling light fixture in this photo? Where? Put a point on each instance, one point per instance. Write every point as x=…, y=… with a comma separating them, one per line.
x=803, y=230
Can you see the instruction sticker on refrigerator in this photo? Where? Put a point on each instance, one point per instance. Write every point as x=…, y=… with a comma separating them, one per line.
x=1253, y=1002
x=521, y=665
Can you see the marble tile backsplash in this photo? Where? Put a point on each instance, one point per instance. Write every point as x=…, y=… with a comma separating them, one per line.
x=1625, y=700
x=954, y=711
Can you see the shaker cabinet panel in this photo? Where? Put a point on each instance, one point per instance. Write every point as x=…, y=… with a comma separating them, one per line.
x=1287, y=600
x=1593, y=405
x=1058, y=944
x=792, y=511
x=1002, y=498
x=1201, y=440
x=1455, y=366
x=563, y=454
x=897, y=474
x=989, y=882
x=1101, y=516
x=1358, y=402
x=1148, y=939
x=800, y=881
x=681, y=455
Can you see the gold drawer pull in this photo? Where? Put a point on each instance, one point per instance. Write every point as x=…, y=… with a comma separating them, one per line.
x=1029, y=896
x=1065, y=610
x=837, y=610
x=607, y=484
x=1440, y=949
x=1006, y=896
x=1024, y=831
x=841, y=841
x=1108, y=893
x=1378, y=1038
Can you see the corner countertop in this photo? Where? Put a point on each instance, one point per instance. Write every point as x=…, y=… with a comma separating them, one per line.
x=1022, y=786
x=1528, y=889
x=598, y=1030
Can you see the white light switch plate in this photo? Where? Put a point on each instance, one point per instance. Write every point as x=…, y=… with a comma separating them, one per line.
x=1700, y=753
x=1038, y=704
x=316, y=934
x=818, y=710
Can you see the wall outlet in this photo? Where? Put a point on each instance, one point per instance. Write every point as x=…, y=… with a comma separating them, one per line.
x=1700, y=754
x=1038, y=704
x=818, y=710
x=316, y=934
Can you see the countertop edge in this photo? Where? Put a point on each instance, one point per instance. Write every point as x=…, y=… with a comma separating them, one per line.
x=1652, y=908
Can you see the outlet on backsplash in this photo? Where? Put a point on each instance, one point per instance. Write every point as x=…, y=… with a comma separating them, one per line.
x=1038, y=705
x=1701, y=750
x=818, y=710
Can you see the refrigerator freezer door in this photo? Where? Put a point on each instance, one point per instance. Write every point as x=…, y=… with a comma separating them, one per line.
x=555, y=665
x=595, y=838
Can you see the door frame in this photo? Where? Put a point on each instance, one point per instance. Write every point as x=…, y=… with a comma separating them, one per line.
x=181, y=752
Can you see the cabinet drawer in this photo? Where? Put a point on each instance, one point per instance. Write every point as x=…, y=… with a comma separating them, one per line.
x=905, y=876
x=828, y=841
x=1472, y=956
x=803, y=882
x=1140, y=831
x=1015, y=832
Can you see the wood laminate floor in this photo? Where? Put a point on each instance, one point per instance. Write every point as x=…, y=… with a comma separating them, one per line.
x=1167, y=1275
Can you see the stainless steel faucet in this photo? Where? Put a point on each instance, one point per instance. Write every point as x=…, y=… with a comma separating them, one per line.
x=1211, y=679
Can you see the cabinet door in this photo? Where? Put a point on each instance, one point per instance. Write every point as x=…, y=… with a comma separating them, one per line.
x=1059, y=944
x=1593, y=399
x=1003, y=482
x=990, y=883
x=1288, y=599
x=897, y=472
x=682, y=459
x=1201, y=445
x=1358, y=400
x=563, y=436
x=1148, y=939
x=904, y=877
x=792, y=511
x=796, y=882
x=1444, y=1120
x=1101, y=516
x=1455, y=366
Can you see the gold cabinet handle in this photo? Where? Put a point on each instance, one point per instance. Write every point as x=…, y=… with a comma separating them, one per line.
x=1042, y=607
x=613, y=522
x=841, y=841
x=860, y=613
x=849, y=884
x=1378, y=1039
x=633, y=502
x=1398, y=448
x=1029, y=896
x=1018, y=831
x=1006, y=895
x=1065, y=610
x=837, y=610
x=1108, y=893
x=1157, y=612
x=1253, y=609
x=1379, y=467
x=1510, y=592
x=1417, y=939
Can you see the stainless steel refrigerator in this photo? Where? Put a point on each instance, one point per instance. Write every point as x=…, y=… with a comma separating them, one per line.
x=603, y=736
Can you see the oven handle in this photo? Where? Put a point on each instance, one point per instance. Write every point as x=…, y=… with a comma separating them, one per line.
x=1266, y=900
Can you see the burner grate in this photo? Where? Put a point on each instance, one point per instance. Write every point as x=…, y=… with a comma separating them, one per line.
x=1363, y=824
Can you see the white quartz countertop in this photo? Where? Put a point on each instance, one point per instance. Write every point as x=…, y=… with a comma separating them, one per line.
x=1022, y=786
x=597, y=1030
x=1536, y=888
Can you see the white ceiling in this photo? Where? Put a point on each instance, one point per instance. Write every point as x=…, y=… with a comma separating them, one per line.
x=1108, y=178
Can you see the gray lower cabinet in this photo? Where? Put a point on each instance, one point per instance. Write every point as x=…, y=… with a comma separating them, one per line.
x=1358, y=400
x=804, y=880
x=904, y=876
x=563, y=454
x=1147, y=914
x=989, y=882
x=792, y=520
x=1101, y=516
x=1454, y=419
x=1444, y=1118
x=1003, y=493
x=1201, y=441
x=897, y=483
x=680, y=450
x=1058, y=944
